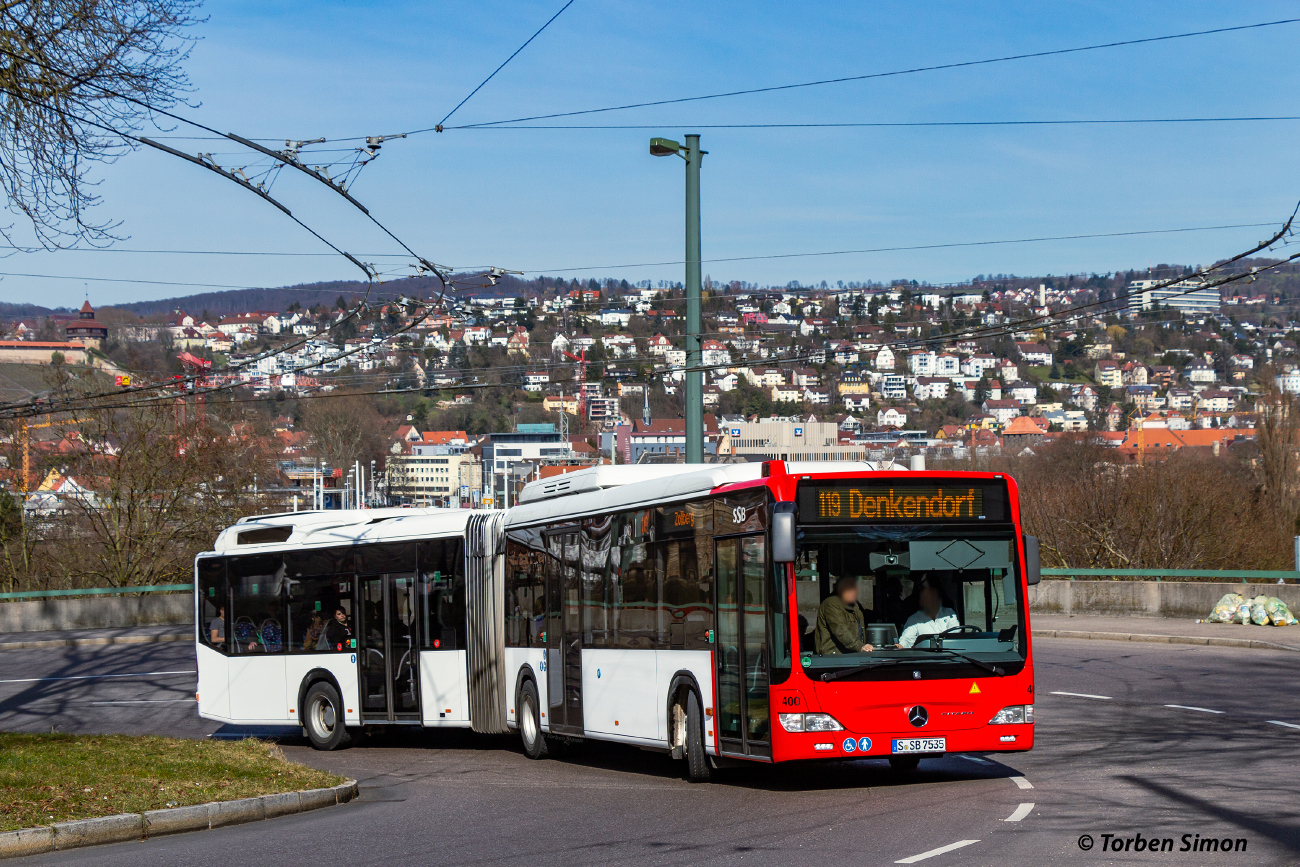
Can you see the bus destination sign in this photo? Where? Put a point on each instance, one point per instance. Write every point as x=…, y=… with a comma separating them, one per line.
x=838, y=503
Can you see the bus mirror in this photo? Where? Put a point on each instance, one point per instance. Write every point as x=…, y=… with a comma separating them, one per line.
x=1033, y=568
x=783, y=535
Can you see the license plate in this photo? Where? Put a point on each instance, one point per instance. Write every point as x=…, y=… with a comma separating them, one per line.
x=920, y=745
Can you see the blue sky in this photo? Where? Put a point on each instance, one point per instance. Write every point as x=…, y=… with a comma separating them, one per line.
x=546, y=200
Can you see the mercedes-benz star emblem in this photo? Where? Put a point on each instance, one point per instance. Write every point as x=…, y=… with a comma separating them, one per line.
x=918, y=716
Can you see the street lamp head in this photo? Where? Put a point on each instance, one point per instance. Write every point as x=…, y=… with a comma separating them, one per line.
x=664, y=147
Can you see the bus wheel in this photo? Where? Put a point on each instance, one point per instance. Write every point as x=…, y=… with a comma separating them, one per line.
x=530, y=722
x=904, y=764
x=323, y=717
x=698, y=769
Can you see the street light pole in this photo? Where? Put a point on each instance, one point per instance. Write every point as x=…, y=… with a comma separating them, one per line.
x=694, y=358
x=694, y=432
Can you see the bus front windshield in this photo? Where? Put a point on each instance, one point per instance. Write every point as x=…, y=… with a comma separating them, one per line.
x=876, y=597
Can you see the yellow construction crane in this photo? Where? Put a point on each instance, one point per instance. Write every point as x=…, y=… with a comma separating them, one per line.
x=24, y=436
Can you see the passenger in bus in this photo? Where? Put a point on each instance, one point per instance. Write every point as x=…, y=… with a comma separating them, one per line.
x=217, y=628
x=931, y=618
x=841, y=626
x=337, y=635
x=312, y=636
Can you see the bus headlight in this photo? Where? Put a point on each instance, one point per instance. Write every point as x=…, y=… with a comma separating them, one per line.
x=1017, y=713
x=809, y=722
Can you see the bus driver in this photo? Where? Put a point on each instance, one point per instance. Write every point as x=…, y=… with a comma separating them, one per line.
x=931, y=617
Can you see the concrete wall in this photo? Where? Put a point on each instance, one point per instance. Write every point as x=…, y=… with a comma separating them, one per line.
x=1181, y=599
x=1115, y=598
x=102, y=612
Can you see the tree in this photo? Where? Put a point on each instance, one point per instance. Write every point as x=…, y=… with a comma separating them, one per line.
x=153, y=486
x=68, y=68
x=344, y=429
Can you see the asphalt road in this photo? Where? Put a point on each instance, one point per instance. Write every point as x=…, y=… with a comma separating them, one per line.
x=1161, y=740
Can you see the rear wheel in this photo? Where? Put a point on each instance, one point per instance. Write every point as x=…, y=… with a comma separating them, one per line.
x=530, y=722
x=323, y=717
x=904, y=764
x=698, y=769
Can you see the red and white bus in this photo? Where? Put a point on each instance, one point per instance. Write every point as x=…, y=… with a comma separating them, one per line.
x=684, y=608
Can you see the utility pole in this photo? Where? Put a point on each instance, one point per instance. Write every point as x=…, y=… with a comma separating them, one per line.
x=694, y=376
x=691, y=152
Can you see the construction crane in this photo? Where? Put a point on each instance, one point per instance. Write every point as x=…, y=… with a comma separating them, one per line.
x=581, y=378
x=196, y=367
x=25, y=438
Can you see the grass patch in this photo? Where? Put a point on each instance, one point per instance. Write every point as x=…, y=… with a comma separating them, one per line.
x=56, y=777
x=1043, y=374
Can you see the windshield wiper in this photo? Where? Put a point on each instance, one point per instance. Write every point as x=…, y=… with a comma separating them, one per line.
x=836, y=675
x=978, y=663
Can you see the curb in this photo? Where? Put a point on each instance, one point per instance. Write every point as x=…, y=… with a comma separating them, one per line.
x=156, y=823
x=88, y=642
x=1164, y=639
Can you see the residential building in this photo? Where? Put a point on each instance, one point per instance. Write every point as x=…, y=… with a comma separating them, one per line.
x=1108, y=373
x=922, y=363
x=891, y=417
x=893, y=386
x=930, y=388
x=1003, y=411
x=1200, y=372
x=1035, y=354
x=1215, y=401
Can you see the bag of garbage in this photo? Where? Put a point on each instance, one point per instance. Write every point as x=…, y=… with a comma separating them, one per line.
x=1225, y=610
x=1259, y=611
x=1278, y=612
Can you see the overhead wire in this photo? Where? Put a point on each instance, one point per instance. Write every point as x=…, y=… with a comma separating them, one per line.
x=874, y=75
x=543, y=271
x=901, y=124
x=287, y=157
x=504, y=62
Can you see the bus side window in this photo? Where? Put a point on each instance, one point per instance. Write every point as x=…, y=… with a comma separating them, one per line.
x=214, y=602
x=256, y=618
x=525, y=608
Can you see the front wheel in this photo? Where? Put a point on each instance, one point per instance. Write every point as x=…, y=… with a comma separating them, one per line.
x=323, y=717
x=904, y=764
x=698, y=769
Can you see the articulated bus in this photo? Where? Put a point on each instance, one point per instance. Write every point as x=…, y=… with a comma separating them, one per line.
x=713, y=612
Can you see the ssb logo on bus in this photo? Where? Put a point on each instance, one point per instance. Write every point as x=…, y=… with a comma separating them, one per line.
x=738, y=515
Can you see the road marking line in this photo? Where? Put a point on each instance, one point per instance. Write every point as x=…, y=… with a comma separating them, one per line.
x=980, y=761
x=1021, y=812
x=1022, y=783
x=941, y=850
x=1083, y=695
x=1189, y=707
x=98, y=676
x=149, y=701
x=1278, y=722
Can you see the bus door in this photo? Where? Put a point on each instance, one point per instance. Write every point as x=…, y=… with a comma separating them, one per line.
x=741, y=649
x=386, y=648
x=564, y=634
